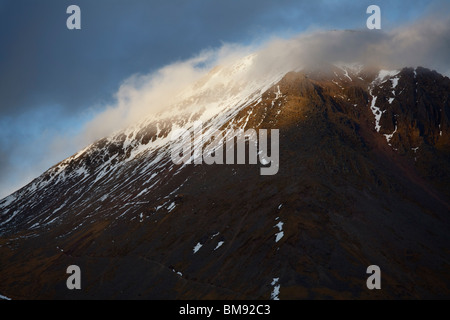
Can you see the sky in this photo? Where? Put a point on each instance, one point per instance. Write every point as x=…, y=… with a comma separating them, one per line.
x=57, y=84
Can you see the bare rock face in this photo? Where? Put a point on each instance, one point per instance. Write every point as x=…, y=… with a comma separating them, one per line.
x=364, y=180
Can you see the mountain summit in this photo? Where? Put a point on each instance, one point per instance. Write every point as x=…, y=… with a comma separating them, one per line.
x=363, y=180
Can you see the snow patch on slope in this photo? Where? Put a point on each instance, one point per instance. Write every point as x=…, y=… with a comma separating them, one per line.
x=219, y=245
x=390, y=136
x=7, y=201
x=197, y=247
x=280, y=234
x=376, y=112
x=276, y=289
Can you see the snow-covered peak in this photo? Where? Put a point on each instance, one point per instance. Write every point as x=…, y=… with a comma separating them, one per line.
x=213, y=100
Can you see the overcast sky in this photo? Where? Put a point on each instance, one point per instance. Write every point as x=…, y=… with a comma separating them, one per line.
x=53, y=81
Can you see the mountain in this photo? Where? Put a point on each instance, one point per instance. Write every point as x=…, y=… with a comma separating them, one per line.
x=363, y=180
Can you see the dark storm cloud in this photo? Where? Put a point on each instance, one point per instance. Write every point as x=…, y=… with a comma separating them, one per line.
x=42, y=63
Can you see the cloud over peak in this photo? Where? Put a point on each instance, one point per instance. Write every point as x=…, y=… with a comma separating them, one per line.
x=426, y=42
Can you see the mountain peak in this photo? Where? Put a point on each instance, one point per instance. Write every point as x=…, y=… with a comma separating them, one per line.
x=363, y=162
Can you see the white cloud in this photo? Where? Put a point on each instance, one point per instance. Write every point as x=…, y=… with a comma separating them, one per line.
x=141, y=96
x=425, y=43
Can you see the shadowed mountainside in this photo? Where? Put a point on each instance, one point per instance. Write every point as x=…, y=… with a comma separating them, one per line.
x=363, y=180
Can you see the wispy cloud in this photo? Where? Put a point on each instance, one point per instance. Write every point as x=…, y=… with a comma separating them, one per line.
x=425, y=43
